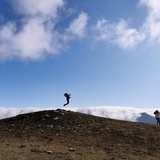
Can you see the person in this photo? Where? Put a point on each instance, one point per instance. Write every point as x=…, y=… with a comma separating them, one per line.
x=157, y=116
x=67, y=98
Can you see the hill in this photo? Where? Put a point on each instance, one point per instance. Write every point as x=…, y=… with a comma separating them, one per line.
x=60, y=134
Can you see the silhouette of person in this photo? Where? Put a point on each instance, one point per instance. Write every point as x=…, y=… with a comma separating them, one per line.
x=157, y=116
x=67, y=98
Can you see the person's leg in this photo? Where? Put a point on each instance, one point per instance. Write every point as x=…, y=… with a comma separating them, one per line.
x=67, y=102
x=157, y=121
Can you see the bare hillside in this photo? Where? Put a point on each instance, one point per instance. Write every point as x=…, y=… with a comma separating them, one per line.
x=65, y=135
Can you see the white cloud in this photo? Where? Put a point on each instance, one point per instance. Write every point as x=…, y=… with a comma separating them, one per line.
x=33, y=40
x=35, y=7
x=78, y=26
x=34, y=35
x=6, y=36
x=127, y=37
x=118, y=33
x=103, y=31
x=10, y=112
x=152, y=23
x=113, y=112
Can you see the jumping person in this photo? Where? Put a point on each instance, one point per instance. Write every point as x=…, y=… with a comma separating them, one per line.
x=67, y=98
x=157, y=116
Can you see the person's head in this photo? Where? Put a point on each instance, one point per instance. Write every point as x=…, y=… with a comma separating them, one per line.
x=156, y=112
x=65, y=94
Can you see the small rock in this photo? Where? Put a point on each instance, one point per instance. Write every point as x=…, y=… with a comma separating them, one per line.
x=49, y=152
x=62, y=114
x=56, y=118
x=71, y=149
x=58, y=110
x=47, y=115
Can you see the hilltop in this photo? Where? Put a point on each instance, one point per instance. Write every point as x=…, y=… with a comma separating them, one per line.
x=66, y=135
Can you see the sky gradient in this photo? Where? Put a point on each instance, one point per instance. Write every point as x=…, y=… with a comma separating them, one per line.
x=102, y=52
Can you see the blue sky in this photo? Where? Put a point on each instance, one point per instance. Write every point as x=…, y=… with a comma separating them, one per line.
x=102, y=52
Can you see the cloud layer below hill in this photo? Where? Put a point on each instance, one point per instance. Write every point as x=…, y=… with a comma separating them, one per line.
x=113, y=112
x=120, y=113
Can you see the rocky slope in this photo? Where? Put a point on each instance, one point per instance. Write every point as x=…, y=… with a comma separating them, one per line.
x=60, y=134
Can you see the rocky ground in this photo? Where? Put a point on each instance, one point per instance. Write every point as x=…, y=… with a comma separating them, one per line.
x=66, y=135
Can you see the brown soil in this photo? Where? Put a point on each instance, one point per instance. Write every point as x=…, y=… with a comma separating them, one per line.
x=66, y=135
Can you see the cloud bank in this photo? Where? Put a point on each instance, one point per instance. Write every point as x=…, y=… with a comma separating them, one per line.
x=119, y=34
x=32, y=36
x=35, y=33
x=11, y=112
x=113, y=112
